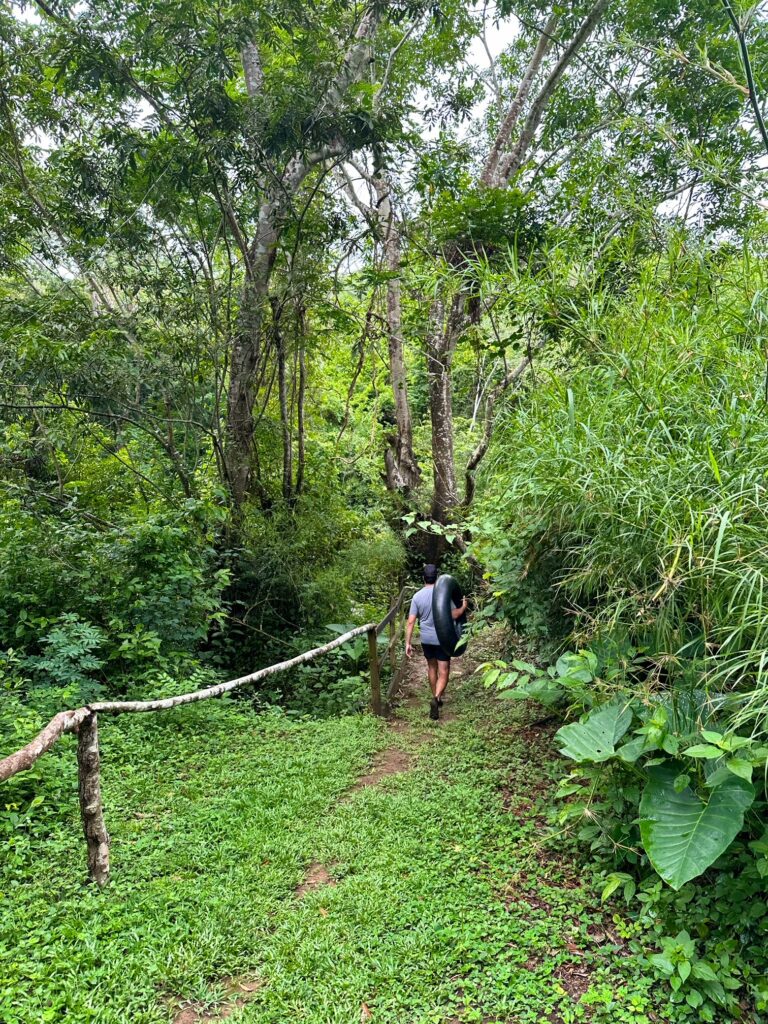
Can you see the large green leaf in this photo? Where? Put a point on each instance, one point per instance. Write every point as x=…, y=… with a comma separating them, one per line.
x=595, y=739
x=681, y=834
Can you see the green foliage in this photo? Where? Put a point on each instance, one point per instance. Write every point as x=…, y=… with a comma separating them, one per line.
x=69, y=664
x=301, y=568
x=483, y=220
x=338, y=683
x=217, y=812
x=627, y=503
x=683, y=835
x=688, y=815
x=705, y=943
x=691, y=976
x=627, y=489
x=596, y=737
x=87, y=605
x=521, y=680
x=640, y=489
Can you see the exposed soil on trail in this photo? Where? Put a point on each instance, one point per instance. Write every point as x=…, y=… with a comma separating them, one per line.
x=575, y=979
x=238, y=992
x=390, y=761
x=413, y=691
x=317, y=875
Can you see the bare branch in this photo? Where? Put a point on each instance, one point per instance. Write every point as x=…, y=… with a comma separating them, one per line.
x=366, y=211
x=515, y=159
x=390, y=61
x=482, y=446
x=490, y=174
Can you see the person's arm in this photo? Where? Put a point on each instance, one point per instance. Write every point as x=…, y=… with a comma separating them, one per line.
x=458, y=612
x=408, y=634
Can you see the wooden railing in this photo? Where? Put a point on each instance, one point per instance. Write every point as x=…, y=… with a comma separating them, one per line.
x=395, y=623
x=84, y=721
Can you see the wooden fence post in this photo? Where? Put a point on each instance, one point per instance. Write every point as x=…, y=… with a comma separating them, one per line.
x=89, y=787
x=393, y=628
x=373, y=658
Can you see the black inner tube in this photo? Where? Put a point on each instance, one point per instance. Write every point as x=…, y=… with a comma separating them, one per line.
x=446, y=596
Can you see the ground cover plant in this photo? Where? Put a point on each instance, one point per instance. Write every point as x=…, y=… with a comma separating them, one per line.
x=446, y=899
x=295, y=298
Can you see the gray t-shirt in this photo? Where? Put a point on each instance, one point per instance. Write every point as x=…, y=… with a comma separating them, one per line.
x=421, y=607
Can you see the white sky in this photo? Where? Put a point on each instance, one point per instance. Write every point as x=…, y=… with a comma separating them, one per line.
x=498, y=38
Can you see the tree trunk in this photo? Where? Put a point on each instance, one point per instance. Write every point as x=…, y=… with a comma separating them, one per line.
x=440, y=348
x=300, y=418
x=513, y=161
x=244, y=359
x=403, y=471
x=483, y=444
x=285, y=415
x=445, y=495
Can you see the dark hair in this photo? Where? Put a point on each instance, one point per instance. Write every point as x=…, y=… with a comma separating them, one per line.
x=430, y=573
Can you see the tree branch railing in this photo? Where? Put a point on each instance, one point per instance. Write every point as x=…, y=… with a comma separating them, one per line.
x=395, y=623
x=84, y=722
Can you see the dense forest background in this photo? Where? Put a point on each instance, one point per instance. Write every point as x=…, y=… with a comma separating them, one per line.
x=295, y=297
x=274, y=281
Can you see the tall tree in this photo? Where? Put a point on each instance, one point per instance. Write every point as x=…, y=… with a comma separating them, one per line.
x=449, y=314
x=224, y=123
x=278, y=189
x=593, y=128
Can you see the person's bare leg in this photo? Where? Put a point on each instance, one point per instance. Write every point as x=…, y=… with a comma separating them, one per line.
x=432, y=664
x=443, y=670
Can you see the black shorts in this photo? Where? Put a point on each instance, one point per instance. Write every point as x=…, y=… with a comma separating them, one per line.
x=435, y=651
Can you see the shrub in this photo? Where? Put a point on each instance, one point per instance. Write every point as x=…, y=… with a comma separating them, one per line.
x=633, y=489
x=83, y=604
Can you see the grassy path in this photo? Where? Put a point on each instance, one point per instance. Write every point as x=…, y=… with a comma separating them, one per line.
x=322, y=872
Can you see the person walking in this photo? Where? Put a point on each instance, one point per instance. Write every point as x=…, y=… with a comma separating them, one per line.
x=438, y=659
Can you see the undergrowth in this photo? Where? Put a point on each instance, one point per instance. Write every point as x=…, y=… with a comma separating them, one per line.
x=449, y=902
x=626, y=517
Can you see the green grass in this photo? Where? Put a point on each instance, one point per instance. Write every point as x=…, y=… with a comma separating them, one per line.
x=445, y=905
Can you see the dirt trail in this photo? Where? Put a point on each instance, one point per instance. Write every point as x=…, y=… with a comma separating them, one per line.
x=414, y=691
x=409, y=727
x=475, y=787
x=410, y=698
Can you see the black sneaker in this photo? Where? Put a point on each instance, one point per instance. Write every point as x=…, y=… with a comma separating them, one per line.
x=434, y=709
x=440, y=701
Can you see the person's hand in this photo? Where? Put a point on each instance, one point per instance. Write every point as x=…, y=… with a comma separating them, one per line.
x=409, y=650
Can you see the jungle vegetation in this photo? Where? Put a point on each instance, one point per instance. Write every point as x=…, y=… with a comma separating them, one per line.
x=295, y=297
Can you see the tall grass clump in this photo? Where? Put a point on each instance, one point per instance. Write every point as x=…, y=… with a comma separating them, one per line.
x=633, y=480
